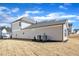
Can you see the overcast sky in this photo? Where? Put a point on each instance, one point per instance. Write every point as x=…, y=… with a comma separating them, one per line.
x=9, y=12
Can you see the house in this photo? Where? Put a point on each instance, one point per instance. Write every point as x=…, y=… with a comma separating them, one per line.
x=55, y=30
x=6, y=32
x=76, y=31
x=70, y=28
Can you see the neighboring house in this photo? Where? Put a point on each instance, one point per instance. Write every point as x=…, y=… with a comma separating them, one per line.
x=76, y=31
x=6, y=32
x=70, y=28
x=55, y=30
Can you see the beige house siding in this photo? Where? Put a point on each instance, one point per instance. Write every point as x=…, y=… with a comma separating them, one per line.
x=54, y=32
x=15, y=26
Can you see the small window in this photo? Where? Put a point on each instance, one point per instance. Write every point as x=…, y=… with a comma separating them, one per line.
x=65, y=33
x=19, y=23
x=23, y=33
x=16, y=34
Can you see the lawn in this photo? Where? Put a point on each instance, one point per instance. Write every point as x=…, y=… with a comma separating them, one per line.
x=15, y=47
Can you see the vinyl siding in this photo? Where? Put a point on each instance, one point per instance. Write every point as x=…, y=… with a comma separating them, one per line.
x=15, y=26
x=53, y=32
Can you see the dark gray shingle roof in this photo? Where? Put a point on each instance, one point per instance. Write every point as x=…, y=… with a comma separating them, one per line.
x=25, y=19
x=47, y=23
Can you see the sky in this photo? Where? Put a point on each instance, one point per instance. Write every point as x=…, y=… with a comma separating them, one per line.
x=10, y=12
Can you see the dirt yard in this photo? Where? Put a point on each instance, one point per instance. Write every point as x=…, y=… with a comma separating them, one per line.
x=12, y=47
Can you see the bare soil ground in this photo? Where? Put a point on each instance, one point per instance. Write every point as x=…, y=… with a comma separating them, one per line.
x=13, y=47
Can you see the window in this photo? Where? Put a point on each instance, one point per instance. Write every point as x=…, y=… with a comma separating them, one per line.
x=19, y=23
x=65, y=32
x=16, y=35
x=23, y=33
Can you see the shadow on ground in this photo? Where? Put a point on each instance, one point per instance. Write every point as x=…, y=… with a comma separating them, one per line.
x=31, y=40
